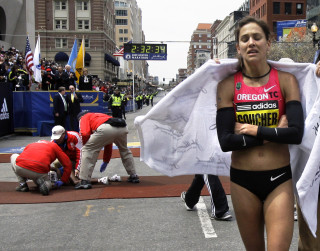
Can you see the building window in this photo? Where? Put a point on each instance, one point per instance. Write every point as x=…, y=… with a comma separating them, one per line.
x=61, y=43
x=60, y=5
x=123, y=31
x=86, y=43
x=299, y=8
x=125, y=39
x=82, y=5
x=276, y=8
x=263, y=10
x=287, y=8
x=83, y=25
x=120, y=39
x=60, y=24
x=258, y=13
x=121, y=21
x=122, y=13
x=120, y=4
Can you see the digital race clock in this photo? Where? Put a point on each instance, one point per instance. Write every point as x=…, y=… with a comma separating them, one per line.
x=145, y=51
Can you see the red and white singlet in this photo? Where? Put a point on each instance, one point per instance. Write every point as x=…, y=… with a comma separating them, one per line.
x=262, y=105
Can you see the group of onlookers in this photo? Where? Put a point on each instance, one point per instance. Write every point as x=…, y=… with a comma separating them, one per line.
x=13, y=70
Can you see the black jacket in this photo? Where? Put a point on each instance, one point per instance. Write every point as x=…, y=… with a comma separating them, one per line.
x=68, y=79
x=85, y=85
x=74, y=107
x=58, y=105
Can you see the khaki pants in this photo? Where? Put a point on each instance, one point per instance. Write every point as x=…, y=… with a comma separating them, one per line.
x=24, y=174
x=306, y=240
x=105, y=134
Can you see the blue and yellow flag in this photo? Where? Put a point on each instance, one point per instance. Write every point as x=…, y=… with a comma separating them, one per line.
x=73, y=56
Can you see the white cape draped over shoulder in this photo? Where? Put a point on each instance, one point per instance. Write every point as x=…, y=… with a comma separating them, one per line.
x=178, y=135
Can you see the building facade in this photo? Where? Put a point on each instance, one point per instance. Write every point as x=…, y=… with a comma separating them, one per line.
x=313, y=12
x=201, y=41
x=235, y=17
x=214, y=45
x=182, y=75
x=16, y=21
x=225, y=32
x=223, y=37
x=272, y=11
x=59, y=22
x=129, y=29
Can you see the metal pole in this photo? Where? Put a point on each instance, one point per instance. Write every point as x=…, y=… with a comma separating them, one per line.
x=134, y=105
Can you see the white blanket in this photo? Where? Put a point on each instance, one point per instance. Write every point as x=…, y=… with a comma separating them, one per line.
x=178, y=135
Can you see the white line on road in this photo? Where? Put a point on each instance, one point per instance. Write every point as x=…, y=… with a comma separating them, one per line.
x=205, y=220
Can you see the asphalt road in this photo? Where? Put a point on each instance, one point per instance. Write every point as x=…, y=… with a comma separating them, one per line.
x=114, y=224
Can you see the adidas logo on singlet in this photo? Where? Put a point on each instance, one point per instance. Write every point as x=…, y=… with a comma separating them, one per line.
x=261, y=106
x=265, y=105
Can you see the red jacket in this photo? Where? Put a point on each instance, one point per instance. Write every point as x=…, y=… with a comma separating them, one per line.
x=89, y=124
x=38, y=156
x=72, y=147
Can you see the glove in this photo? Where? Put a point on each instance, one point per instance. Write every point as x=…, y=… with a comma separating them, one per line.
x=103, y=167
x=61, y=170
x=58, y=183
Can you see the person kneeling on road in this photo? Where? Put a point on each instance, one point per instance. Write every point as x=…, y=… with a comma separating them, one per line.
x=100, y=130
x=70, y=143
x=34, y=164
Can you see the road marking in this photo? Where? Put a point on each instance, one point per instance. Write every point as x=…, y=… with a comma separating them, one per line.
x=205, y=220
x=110, y=209
x=88, y=210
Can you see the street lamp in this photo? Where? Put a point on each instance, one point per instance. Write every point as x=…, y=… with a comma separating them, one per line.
x=314, y=29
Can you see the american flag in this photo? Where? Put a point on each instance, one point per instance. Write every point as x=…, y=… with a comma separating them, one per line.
x=29, y=57
x=119, y=53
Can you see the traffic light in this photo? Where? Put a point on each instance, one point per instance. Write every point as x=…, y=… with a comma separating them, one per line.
x=173, y=80
x=164, y=79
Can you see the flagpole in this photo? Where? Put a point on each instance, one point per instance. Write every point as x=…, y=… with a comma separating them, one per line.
x=83, y=53
x=134, y=105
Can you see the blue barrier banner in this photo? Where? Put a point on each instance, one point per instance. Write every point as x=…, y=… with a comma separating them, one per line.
x=6, y=112
x=31, y=109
